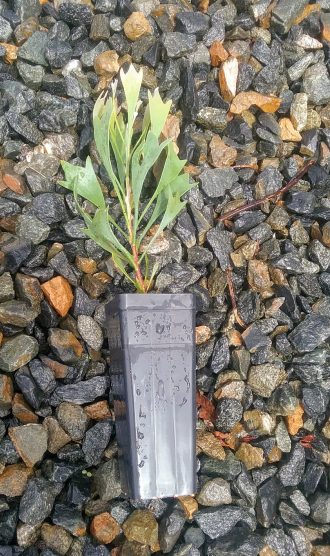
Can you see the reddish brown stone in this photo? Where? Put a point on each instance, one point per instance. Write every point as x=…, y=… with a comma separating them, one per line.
x=13, y=479
x=99, y=410
x=218, y=53
x=22, y=411
x=14, y=182
x=104, y=528
x=6, y=392
x=59, y=369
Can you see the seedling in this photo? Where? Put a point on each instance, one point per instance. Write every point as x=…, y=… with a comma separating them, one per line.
x=129, y=158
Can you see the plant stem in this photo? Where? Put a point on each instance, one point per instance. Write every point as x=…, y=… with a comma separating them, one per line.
x=230, y=214
x=139, y=278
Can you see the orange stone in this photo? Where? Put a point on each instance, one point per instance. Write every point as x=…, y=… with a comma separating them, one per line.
x=11, y=52
x=288, y=132
x=22, y=411
x=218, y=53
x=325, y=20
x=189, y=505
x=106, y=64
x=13, y=479
x=137, y=26
x=6, y=391
x=221, y=155
x=295, y=421
x=203, y=334
x=14, y=182
x=59, y=294
x=243, y=101
x=98, y=410
x=86, y=265
x=104, y=528
x=228, y=75
x=306, y=12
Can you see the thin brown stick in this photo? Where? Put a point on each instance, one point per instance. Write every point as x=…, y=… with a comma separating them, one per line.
x=231, y=213
x=231, y=290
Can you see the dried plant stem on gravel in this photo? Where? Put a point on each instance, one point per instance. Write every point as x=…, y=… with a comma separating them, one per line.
x=249, y=206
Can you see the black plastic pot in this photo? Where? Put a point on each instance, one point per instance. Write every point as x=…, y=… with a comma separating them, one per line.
x=152, y=349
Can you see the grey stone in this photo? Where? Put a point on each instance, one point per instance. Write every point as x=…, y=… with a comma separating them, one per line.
x=215, y=493
x=228, y=413
x=220, y=241
x=297, y=70
x=37, y=501
x=6, y=287
x=95, y=442
x=106, y=481
x=178, y=44
x=5, y=29
x=82, y=392
x=319, y=254
x=32, y=75
x=316, y=84
x=220, y=521
x=49, y=208
x=90, y=331
x=73, y=419
x=215, y=182
x=269, y=494
x=310, y=333
x=320, y=507
x=24, y=127
x=170, y=529
x=291, y=472
x=27, y=8
x=31, y=228
x=212, y=118
x=33, y=50
x=284, y=14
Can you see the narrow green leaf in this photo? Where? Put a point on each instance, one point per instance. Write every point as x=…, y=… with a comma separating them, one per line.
x=86, y=182
x=158, y=111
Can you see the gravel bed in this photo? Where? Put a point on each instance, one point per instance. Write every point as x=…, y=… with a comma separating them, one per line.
x=250, y=86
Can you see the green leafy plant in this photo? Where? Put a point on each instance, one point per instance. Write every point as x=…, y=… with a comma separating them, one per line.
x=128, y=158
